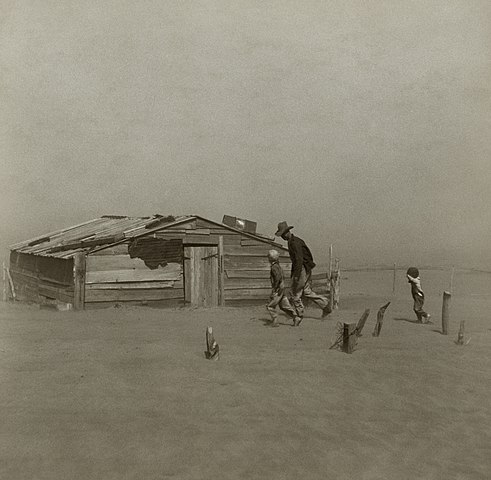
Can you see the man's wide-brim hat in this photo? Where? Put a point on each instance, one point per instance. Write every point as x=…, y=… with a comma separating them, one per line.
x=282, y=229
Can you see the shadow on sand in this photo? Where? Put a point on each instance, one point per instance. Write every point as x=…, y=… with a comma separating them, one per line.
x=281, y=321
x=398, y=319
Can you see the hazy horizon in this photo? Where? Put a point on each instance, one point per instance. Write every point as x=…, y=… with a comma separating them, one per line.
x=365, y=125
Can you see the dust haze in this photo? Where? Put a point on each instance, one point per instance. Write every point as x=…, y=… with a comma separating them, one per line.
x=363, y=124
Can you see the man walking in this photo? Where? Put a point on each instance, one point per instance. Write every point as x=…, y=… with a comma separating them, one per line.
x=302, y=265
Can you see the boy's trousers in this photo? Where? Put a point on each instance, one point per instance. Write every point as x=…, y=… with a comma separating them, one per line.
x=282, y=302
x=419, y=301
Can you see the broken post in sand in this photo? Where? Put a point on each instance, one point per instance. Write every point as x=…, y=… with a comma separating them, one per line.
x=380, y=319
x=349, y=337
x=446, y=312
x=361, y=322
x=451, y=279
x=212, y=348
x=460, y=336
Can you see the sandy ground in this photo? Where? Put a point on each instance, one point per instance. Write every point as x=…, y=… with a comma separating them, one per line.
x=127, y=394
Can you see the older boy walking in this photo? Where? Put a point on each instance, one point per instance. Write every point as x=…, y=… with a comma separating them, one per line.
x=278, y=297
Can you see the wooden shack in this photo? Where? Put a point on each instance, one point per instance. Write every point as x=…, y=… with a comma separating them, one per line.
x=158, y=261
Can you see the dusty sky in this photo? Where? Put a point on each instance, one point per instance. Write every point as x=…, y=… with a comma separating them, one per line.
x=363, y=123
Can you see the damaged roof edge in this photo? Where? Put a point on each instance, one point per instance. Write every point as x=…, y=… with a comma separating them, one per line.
x=254, y=236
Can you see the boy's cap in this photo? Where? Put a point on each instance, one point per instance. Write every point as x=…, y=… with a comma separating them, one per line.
x=413, y=272
x=282, y=228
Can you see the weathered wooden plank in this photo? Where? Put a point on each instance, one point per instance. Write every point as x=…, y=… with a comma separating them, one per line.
x=247, y=293
x=166, y=303
x=211, y=287
x=121, y=249
x=173, y=271
x=230, y=239
x=247, y=241
x=131, y=285
x=200, y=240
x=187, y=225
x=25, y=273
x=199, y=231
x=246, y=262
x=258, y=274
x=104, y=263
x=221, y=273
x=60, y=294
x=79, y=281
x=23, y=279
x=133, y=295
x=246, y=283
x=253, y=251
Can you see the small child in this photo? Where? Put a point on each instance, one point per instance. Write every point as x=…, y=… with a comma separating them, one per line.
x=418, y=294
x=278, y=297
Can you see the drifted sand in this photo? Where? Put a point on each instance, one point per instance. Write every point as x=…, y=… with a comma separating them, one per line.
x=127, y=394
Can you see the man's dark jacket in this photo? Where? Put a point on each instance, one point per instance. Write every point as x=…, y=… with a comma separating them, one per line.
x=300, y=256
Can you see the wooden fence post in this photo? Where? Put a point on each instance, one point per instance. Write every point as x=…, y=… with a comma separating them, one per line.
x=446, y=312
x=349, y=337
x=79, y=281
x=380, y=319
x=460, y=337
x=221, y=292
x=361, y=322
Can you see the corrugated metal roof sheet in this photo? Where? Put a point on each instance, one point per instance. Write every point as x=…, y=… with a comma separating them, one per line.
x=88, y=235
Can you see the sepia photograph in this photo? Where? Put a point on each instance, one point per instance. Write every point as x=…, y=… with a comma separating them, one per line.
x=245, y=239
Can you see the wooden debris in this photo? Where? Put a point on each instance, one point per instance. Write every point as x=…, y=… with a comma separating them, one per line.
x=361, y=322
x=380, y=319
x=212, y=349
x=460, y=336
x=446, y=312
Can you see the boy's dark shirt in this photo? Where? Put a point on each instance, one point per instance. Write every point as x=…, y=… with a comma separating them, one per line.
x=276, y=276
x=300, y=256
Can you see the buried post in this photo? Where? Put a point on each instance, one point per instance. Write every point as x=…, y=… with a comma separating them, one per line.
x=349, y=337
x=446, y=312
x=460, y=337
x=212, y=349
x=361, y=322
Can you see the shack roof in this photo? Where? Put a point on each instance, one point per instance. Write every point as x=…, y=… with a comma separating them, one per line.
x=105, y=231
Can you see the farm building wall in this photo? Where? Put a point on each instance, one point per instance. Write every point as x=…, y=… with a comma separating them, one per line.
x=41, y=279
x=150, y=269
